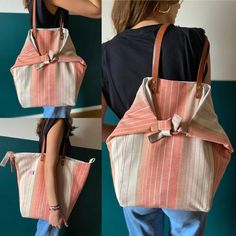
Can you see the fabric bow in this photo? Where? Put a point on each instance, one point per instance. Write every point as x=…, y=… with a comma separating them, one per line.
x=166, y=128
x=47, y=59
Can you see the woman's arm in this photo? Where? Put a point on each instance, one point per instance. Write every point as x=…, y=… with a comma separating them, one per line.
x=106, y=129
x=88, y=8
x=54, y=139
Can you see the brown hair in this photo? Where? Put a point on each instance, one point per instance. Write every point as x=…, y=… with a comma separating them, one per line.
x=128, y=13
x=43, y=121
x=26, y=3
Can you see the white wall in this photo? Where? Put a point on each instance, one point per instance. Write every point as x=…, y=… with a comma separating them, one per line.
x=218, y=18
x=13, y=6
x=87, y=135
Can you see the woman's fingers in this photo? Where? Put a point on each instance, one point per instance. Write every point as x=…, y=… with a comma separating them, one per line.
x=60, y=223
x=65, y=222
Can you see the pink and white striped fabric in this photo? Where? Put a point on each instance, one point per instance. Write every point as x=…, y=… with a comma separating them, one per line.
x=48, y=71
x=176, y=161
x=71, y=178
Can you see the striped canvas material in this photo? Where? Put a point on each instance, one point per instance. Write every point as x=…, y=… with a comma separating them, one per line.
x=48, y=72
x=71, y=178
x=176, y=161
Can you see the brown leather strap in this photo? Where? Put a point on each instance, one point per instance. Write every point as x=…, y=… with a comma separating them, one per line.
x=43, y=151
x=156, y=62
x=61, y=27
x=42, y=156
x=44, y=142
x=34, y=21
x=156, y=57
x=201, y=69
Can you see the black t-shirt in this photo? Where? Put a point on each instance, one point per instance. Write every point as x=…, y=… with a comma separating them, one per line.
x=46, y=19
x=127, y=59
x=65, y=140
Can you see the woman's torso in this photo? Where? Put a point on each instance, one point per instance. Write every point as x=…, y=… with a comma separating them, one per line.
x=65, y=139
x=127, y=59
x=45, y=19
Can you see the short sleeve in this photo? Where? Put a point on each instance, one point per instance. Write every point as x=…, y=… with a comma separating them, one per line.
x=200, y=35
x=105, y=73
x=65, y=140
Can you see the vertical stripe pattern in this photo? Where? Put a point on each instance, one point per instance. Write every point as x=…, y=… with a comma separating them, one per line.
x=40, y=82
x=181, y=171
x=71, y=178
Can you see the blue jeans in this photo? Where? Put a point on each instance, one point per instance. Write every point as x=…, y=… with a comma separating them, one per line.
x=44, y=229
x=56, y=112
x=150, y=222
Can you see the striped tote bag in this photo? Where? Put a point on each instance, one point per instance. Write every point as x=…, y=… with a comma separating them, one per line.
x=48, y=72
x=169, y=150
x=71, y=177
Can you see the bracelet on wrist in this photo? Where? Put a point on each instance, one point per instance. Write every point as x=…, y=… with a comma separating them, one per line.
x=54, y=208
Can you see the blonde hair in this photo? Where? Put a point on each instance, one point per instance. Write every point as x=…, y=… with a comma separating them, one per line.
x=126, y=14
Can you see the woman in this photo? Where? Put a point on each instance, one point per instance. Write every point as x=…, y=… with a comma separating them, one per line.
x=48, y=16
x=126, y=60
x=56, y=133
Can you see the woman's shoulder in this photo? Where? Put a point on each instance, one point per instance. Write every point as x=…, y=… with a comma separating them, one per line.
x=111, y=43
x=112, y=46
x=190, y=33
x=178, y=33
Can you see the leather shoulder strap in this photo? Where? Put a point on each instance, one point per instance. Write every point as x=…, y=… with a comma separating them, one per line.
x=34, y=21
x=201, y=69
x=156, y=57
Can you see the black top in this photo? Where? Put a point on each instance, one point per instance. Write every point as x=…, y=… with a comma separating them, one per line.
x=46, y=19
x=65, y=140
x=127, y=59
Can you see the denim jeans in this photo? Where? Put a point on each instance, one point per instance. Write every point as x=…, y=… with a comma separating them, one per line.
x=150, y=222
x=44, y=229
x=56, y=112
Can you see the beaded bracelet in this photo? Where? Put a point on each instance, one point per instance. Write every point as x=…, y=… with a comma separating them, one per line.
x=54, y=208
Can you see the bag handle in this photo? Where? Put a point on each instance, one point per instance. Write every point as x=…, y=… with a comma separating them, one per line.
x=156, y=57
x=92, y=160
x=202, y=66
x=156, y=62
x=42, y=156
x=34, y=21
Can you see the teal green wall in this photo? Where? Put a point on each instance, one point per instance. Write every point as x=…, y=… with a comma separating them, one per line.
x=86, y=35
x=222, y=219
x=85, y=219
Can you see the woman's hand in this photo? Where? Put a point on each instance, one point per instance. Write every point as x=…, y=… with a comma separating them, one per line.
x=56, y=219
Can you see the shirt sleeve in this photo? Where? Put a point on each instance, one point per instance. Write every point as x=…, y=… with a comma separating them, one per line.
x=198, y=36
x=105, y=74
x=65, y=140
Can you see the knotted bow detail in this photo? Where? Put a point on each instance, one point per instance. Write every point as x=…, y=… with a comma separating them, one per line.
x=166, y=128
x=47, y=59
